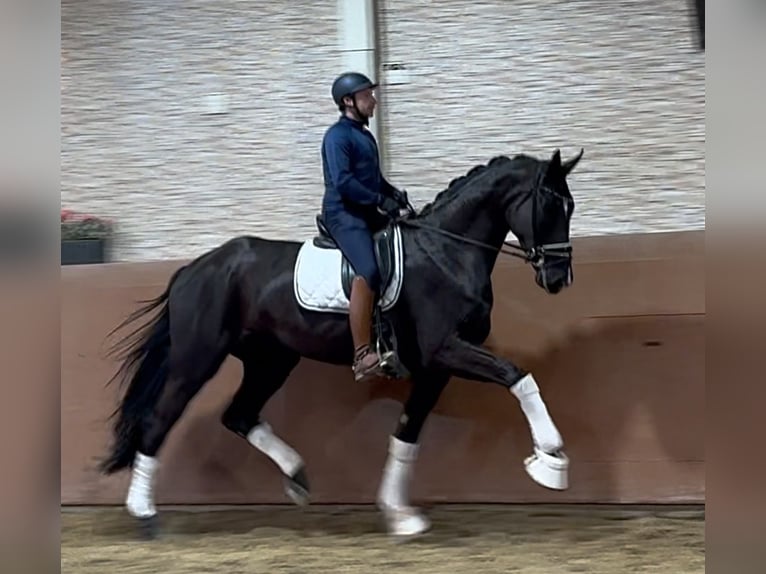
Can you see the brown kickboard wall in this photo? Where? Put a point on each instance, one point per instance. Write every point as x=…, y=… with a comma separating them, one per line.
x=619, y=359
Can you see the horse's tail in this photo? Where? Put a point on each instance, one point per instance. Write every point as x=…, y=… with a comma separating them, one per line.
x=145, y=370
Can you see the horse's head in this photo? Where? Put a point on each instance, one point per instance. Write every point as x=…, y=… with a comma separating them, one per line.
x=541, y=219
x=526, y=195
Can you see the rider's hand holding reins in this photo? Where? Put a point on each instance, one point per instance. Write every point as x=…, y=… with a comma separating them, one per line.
x=404, y=201
x=400, y=196
x=389, y=206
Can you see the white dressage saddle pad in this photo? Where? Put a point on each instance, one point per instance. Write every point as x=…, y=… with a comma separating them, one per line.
x=318, y=284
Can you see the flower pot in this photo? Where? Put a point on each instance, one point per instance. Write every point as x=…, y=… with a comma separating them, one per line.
x=83, y=251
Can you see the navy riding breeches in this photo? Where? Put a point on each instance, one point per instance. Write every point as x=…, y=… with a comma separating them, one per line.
x=355, y=241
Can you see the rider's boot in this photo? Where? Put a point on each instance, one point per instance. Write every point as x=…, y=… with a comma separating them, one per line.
x=366, y=360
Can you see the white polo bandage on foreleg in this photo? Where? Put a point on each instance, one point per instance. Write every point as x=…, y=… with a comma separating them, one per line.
x=394, y=488
x=544, y=432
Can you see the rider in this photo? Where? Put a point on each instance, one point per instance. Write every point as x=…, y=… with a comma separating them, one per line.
x=355, y=190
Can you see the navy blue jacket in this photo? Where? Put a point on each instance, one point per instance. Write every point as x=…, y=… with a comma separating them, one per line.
x=354, y=184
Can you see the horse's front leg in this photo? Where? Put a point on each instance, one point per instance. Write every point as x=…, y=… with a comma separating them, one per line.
x=393, y=499
x=548, y=465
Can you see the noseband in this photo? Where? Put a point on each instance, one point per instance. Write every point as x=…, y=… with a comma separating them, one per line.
x=561, y=250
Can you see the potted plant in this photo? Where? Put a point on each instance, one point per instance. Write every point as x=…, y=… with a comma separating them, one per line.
x=84, y=238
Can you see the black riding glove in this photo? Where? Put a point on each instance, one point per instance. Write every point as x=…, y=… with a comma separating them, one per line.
x=400, y=196
x=389, y=206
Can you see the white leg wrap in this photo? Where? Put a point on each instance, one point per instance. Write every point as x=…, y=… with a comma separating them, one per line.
x=544, y=433
x=283, y=455
x=140, y=501
x=547, y=466
x=393, y=494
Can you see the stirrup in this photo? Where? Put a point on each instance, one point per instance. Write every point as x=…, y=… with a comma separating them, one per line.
x=361, y=372
x=386, y=345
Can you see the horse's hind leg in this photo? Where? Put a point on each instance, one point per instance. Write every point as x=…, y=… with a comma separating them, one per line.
x=187, y=375
x=266, y=366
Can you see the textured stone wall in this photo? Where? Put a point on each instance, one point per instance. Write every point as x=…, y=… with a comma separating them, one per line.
x=138, y=145
x=619, y=78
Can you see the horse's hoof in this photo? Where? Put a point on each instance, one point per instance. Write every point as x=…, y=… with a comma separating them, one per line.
x=297, y=487
x=405, y=524
x=149, y=527
x=548, y=470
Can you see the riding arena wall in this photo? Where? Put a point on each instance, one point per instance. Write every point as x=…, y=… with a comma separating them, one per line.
x=619, y=358
x=185, y=143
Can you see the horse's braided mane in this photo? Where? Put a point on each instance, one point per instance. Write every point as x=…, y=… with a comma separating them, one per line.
x=471, y=176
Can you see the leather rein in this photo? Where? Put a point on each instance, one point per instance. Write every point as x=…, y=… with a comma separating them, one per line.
x=533, y=254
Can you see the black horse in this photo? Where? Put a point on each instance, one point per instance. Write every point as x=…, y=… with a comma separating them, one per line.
x=270, y=302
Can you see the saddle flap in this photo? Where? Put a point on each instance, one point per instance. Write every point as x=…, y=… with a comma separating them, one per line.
x=384, y=254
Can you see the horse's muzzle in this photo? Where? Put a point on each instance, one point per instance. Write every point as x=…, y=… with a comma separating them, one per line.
x=554, y=276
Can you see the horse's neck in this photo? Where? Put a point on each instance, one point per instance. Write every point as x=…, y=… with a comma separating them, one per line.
x=476, y=220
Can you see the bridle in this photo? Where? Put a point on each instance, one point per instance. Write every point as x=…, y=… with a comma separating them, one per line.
x=535, y=255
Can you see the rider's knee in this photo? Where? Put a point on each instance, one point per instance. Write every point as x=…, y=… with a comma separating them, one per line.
x=371, y=277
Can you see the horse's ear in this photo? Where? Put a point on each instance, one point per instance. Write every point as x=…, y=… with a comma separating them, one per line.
x=570, y=164
x=555, y=160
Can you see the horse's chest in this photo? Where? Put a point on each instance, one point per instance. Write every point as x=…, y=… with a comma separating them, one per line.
x=477, y=324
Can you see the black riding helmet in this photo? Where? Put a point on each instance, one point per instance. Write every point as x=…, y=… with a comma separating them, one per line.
x=349, y=84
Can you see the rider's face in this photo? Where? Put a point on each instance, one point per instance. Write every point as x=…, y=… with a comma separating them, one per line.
x=365, y=102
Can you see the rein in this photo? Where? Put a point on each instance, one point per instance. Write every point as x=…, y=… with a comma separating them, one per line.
x=534, y=255
x=529, y=255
